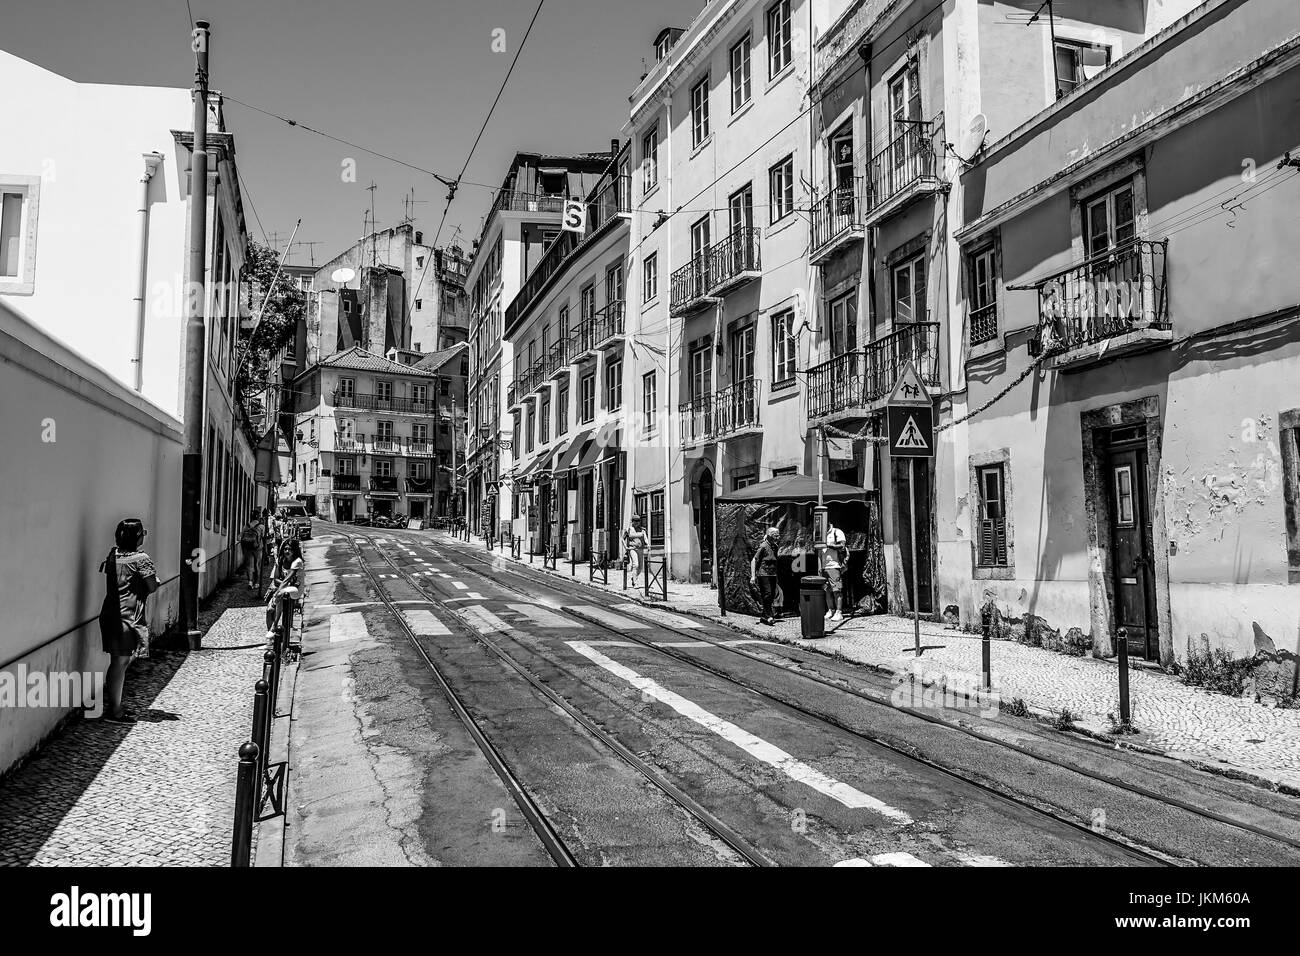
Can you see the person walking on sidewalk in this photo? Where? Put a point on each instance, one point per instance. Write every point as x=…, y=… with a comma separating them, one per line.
x=286, y=585
x=251, y=543
x=833, y=556
x=762, y=573
x=129, y=579
x=635, y=545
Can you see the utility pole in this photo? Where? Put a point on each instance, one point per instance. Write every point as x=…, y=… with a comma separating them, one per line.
x=195, y=345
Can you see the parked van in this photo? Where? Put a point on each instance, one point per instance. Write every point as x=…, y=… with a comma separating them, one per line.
x=293, y=509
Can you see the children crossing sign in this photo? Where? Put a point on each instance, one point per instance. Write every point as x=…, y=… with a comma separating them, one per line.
x=911, y=417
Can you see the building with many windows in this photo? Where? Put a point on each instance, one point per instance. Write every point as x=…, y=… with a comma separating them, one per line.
x=521, y=225
x=567, y=329
x=1125, y=281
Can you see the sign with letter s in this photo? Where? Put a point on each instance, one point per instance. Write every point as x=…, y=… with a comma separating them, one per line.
x=575, y=216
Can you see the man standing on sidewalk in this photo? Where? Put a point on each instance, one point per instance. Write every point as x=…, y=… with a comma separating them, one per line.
x=762, y=573
x=833, y=556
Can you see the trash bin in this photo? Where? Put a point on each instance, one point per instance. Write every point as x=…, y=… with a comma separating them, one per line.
x=812, y=606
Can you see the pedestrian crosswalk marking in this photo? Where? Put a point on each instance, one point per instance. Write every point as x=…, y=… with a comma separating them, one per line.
x=541, y=616
x=613, y=620
x=443, y=574
x=475, y=595
x=900, y=858
x=483, y=620
x=754, y=746
x=425, y=624
x=658, y=616
x=347, y=627
x=460, y=585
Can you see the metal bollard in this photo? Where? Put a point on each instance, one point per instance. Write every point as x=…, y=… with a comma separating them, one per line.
x=241, y=844
x=722, y=591
x=261, y=730
x=647, y=575
x=665, y=578
x=573, y=564
x=625, y=572
x=1121, y=638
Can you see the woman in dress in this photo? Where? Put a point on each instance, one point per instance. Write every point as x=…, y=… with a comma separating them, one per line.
x=129, y=579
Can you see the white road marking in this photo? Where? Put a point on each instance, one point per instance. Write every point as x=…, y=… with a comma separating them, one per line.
x=658, y=616
x=754, y=746
x=460, y=585
x=980, y=859
x=443, y=574
x=897, y=859
x=475, y=595
x=347, y=627
x=483, y=620
x=613, y=620
x=424, y=624
x=856, y=861
x=541, y=616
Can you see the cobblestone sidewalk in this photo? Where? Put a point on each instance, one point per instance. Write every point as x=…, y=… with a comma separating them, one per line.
x=158, y=792
x=1185, y=722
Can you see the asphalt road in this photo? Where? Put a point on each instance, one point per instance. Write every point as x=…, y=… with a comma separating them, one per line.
x=639, y=738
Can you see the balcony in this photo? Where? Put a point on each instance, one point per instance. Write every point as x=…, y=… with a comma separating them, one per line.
x=1109, y=305
x=514, y=393
x=384, y=483
x=908, y=167
x=386, y=446
x=837, y=220
x=376, y=403
x=537, y=378
x=511, y=200
x=857, y=383
x=607, y=328
x=420, y=449
x=608, y=204
x=728, y=413
x=419, y=486
x=347, y=482
x=350, y=446
x=557, y=362
x=721, y=268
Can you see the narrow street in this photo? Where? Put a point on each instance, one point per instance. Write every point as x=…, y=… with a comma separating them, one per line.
x=621, y=735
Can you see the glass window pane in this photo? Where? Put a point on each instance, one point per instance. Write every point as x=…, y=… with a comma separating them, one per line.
x=11, y=217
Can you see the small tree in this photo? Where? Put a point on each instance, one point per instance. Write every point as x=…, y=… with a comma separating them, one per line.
x=285, y=308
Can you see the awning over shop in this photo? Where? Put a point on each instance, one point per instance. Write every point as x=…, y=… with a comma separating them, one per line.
x=386, y=495
x=794, y=489
x=539, y=466
x=576, y=450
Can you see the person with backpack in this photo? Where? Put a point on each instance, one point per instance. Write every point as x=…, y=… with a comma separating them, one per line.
x=129, y=579
x=251, y=539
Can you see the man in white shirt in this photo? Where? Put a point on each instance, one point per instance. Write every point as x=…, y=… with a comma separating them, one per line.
x=833, y=556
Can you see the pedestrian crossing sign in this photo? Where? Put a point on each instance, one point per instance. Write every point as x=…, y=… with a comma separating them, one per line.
x=911, y=431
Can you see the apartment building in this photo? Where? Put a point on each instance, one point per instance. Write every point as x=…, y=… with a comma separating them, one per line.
x=567, y=329
x=1125, y=274
x=523, y=221
x=718, y=267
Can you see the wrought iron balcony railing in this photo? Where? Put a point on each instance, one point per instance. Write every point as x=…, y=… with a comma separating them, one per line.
x=354, y=446
x=420, y=449
x=383, y=482
x=909, y=160
x=376, y=403
x=734, y=258
x=513, y=200
x=716, y=415
x=1105, y=296
x=419, y=486
x=608, y=324
x=837, y=215
x=385, y=446
x=857, y=379
x=350, y=482
x=690, y=284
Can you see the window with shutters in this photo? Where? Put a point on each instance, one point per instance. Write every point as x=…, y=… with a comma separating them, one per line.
x=992, y=530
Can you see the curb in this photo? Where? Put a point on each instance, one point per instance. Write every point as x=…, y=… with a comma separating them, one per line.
x=1038, y=713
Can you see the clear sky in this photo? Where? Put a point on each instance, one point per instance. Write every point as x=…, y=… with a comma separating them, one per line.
x=410, y=78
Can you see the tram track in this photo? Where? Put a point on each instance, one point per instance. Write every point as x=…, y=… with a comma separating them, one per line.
x=1124, y=845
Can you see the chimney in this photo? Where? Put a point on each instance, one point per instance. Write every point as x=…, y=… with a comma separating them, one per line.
x=613, y=147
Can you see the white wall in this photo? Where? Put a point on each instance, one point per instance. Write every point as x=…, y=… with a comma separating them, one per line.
x=114, y=456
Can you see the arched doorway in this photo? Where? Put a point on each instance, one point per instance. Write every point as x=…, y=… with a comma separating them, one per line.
x=704, y=521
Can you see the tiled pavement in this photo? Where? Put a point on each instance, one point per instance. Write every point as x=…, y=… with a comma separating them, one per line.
x=1185, y=722
x=159, y=792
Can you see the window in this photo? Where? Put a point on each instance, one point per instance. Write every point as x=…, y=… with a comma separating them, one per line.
x=1124, y=517
x=419, y=262
x=614, y=289
x=384, y=391
x=552, y=182
x=740, y=88
x=515, y=436
x=650, y=277
x=383, y=430
x=444, y=386
x=783, y=348
x=383, y=467
x=844, y=324
x=1078, y=62
x=347, y=306
x=983, y=297
x=419, y=304
x=649, y=402
x=614, y=385
x=312, y=473
x=781, y=188
x=562, y=410
x=418, y=469
x=19, y=197
x=651, y=509
x=742, y=354
x=783, y=472
x=663, y=46
x=992, y=539
x=207, y=498
x=531, y=427
x=419, y=394
x=743, y=480
x=347, y=388
x=700, y=111
x=1109, y=219
x=419, y=433
x=701, y=369
x=909, y=290
x=548, y=237
x=650, y=159
x=778, y=38
x=545, y=419
x=346, y=466
x=740, y=210
x=904, y=99
x=587, y=399
x=699, y=238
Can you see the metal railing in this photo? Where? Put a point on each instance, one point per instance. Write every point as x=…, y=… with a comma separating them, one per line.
x=382, y=446
x=373, y=403
x=690, y=283
x=909, y=158
x=347, y=482
x=420, y=449
x=721, y=413
x=513, y=200
x=598, y=567
x=383, y=483
x=608, y=324
x=836, y=213
x=984, y=324
x=1120, y=291
x=735, y=256
x=656, y=579
x=866, y=375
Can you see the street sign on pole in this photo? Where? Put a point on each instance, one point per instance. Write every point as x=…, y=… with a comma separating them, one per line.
x=910, y=416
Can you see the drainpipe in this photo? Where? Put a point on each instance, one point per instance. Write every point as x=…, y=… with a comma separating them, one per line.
x=668, y=361
x=151, y=163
